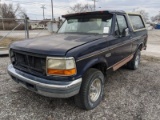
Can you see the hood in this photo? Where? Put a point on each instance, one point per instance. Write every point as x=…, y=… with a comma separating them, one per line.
x=54, y=45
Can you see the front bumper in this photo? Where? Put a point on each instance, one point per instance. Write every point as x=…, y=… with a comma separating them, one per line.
x=49, y=88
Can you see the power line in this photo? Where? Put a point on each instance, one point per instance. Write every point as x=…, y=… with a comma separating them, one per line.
x=41, y=15
x=47, y=5
x=42, y=6
x=37, y=3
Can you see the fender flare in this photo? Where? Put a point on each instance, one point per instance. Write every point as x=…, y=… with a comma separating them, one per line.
x=93, y=62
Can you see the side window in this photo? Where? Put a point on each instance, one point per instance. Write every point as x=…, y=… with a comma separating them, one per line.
x=137, y=22
x=117, y=33
x=122, y=24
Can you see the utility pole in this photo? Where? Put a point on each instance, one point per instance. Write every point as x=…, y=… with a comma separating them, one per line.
x=94, y=4
x=52, y=9
x=43, y=7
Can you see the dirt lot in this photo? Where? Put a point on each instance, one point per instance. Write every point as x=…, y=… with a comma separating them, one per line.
x=129, y=95
x=7, y=41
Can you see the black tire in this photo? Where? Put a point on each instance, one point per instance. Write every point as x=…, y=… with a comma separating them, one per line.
x=134, y=63
x=83, y=99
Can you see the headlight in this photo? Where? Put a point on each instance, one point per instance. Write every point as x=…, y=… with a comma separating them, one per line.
x=61, y=66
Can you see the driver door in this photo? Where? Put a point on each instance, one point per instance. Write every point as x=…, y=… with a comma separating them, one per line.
x=120, y=40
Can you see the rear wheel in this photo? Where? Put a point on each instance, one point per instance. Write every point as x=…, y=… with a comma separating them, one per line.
x=91, y=91
x=134, y=63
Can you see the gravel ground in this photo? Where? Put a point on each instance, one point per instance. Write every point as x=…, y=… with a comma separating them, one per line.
x=129, y=95
x=153, y=44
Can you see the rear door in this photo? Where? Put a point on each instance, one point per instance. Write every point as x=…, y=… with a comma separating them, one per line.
x=139, y=33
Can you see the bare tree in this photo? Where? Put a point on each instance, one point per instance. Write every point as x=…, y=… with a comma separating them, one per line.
x=23, y=14
x=77, y=8
x=11, y=11
x=143, y=13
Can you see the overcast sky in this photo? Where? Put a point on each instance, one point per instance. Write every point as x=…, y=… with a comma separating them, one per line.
x=34, y=10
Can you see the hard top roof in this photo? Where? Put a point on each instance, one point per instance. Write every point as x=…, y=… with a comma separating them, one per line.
x=95, y=12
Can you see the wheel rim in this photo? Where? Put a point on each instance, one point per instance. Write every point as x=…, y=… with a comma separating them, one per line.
x=95, y=90
x=137, y=61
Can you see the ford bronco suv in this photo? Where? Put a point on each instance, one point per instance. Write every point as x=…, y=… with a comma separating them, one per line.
x=76, y=60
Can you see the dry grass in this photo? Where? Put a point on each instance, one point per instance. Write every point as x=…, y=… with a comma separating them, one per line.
x=7, y=41
x=11, y=25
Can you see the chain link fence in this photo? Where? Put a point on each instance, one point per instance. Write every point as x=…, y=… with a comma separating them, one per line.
x=12, y=30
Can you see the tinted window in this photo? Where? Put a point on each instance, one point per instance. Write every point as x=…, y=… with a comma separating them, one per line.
x=121, y=24
x=136, y=22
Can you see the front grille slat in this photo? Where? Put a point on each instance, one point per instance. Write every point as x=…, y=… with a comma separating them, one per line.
x=29, y=63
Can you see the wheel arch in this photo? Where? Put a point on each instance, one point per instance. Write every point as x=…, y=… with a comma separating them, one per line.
x=140, y=46
x=99, y=63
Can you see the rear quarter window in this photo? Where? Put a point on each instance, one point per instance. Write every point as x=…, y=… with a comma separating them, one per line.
x=137, y=22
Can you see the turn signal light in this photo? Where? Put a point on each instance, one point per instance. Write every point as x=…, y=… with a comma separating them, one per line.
x=61, y=72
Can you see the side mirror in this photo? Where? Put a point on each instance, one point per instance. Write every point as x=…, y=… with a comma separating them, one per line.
x=126, y=32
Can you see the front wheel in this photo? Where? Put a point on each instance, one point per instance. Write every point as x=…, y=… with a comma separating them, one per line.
x=134, y=63
x=91, y=91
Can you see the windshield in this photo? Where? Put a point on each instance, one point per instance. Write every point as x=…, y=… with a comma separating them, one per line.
x=100, y=24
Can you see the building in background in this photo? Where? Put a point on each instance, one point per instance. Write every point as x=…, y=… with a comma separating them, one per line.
x=54, y=25
x=51, y=26
x=39, y=24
